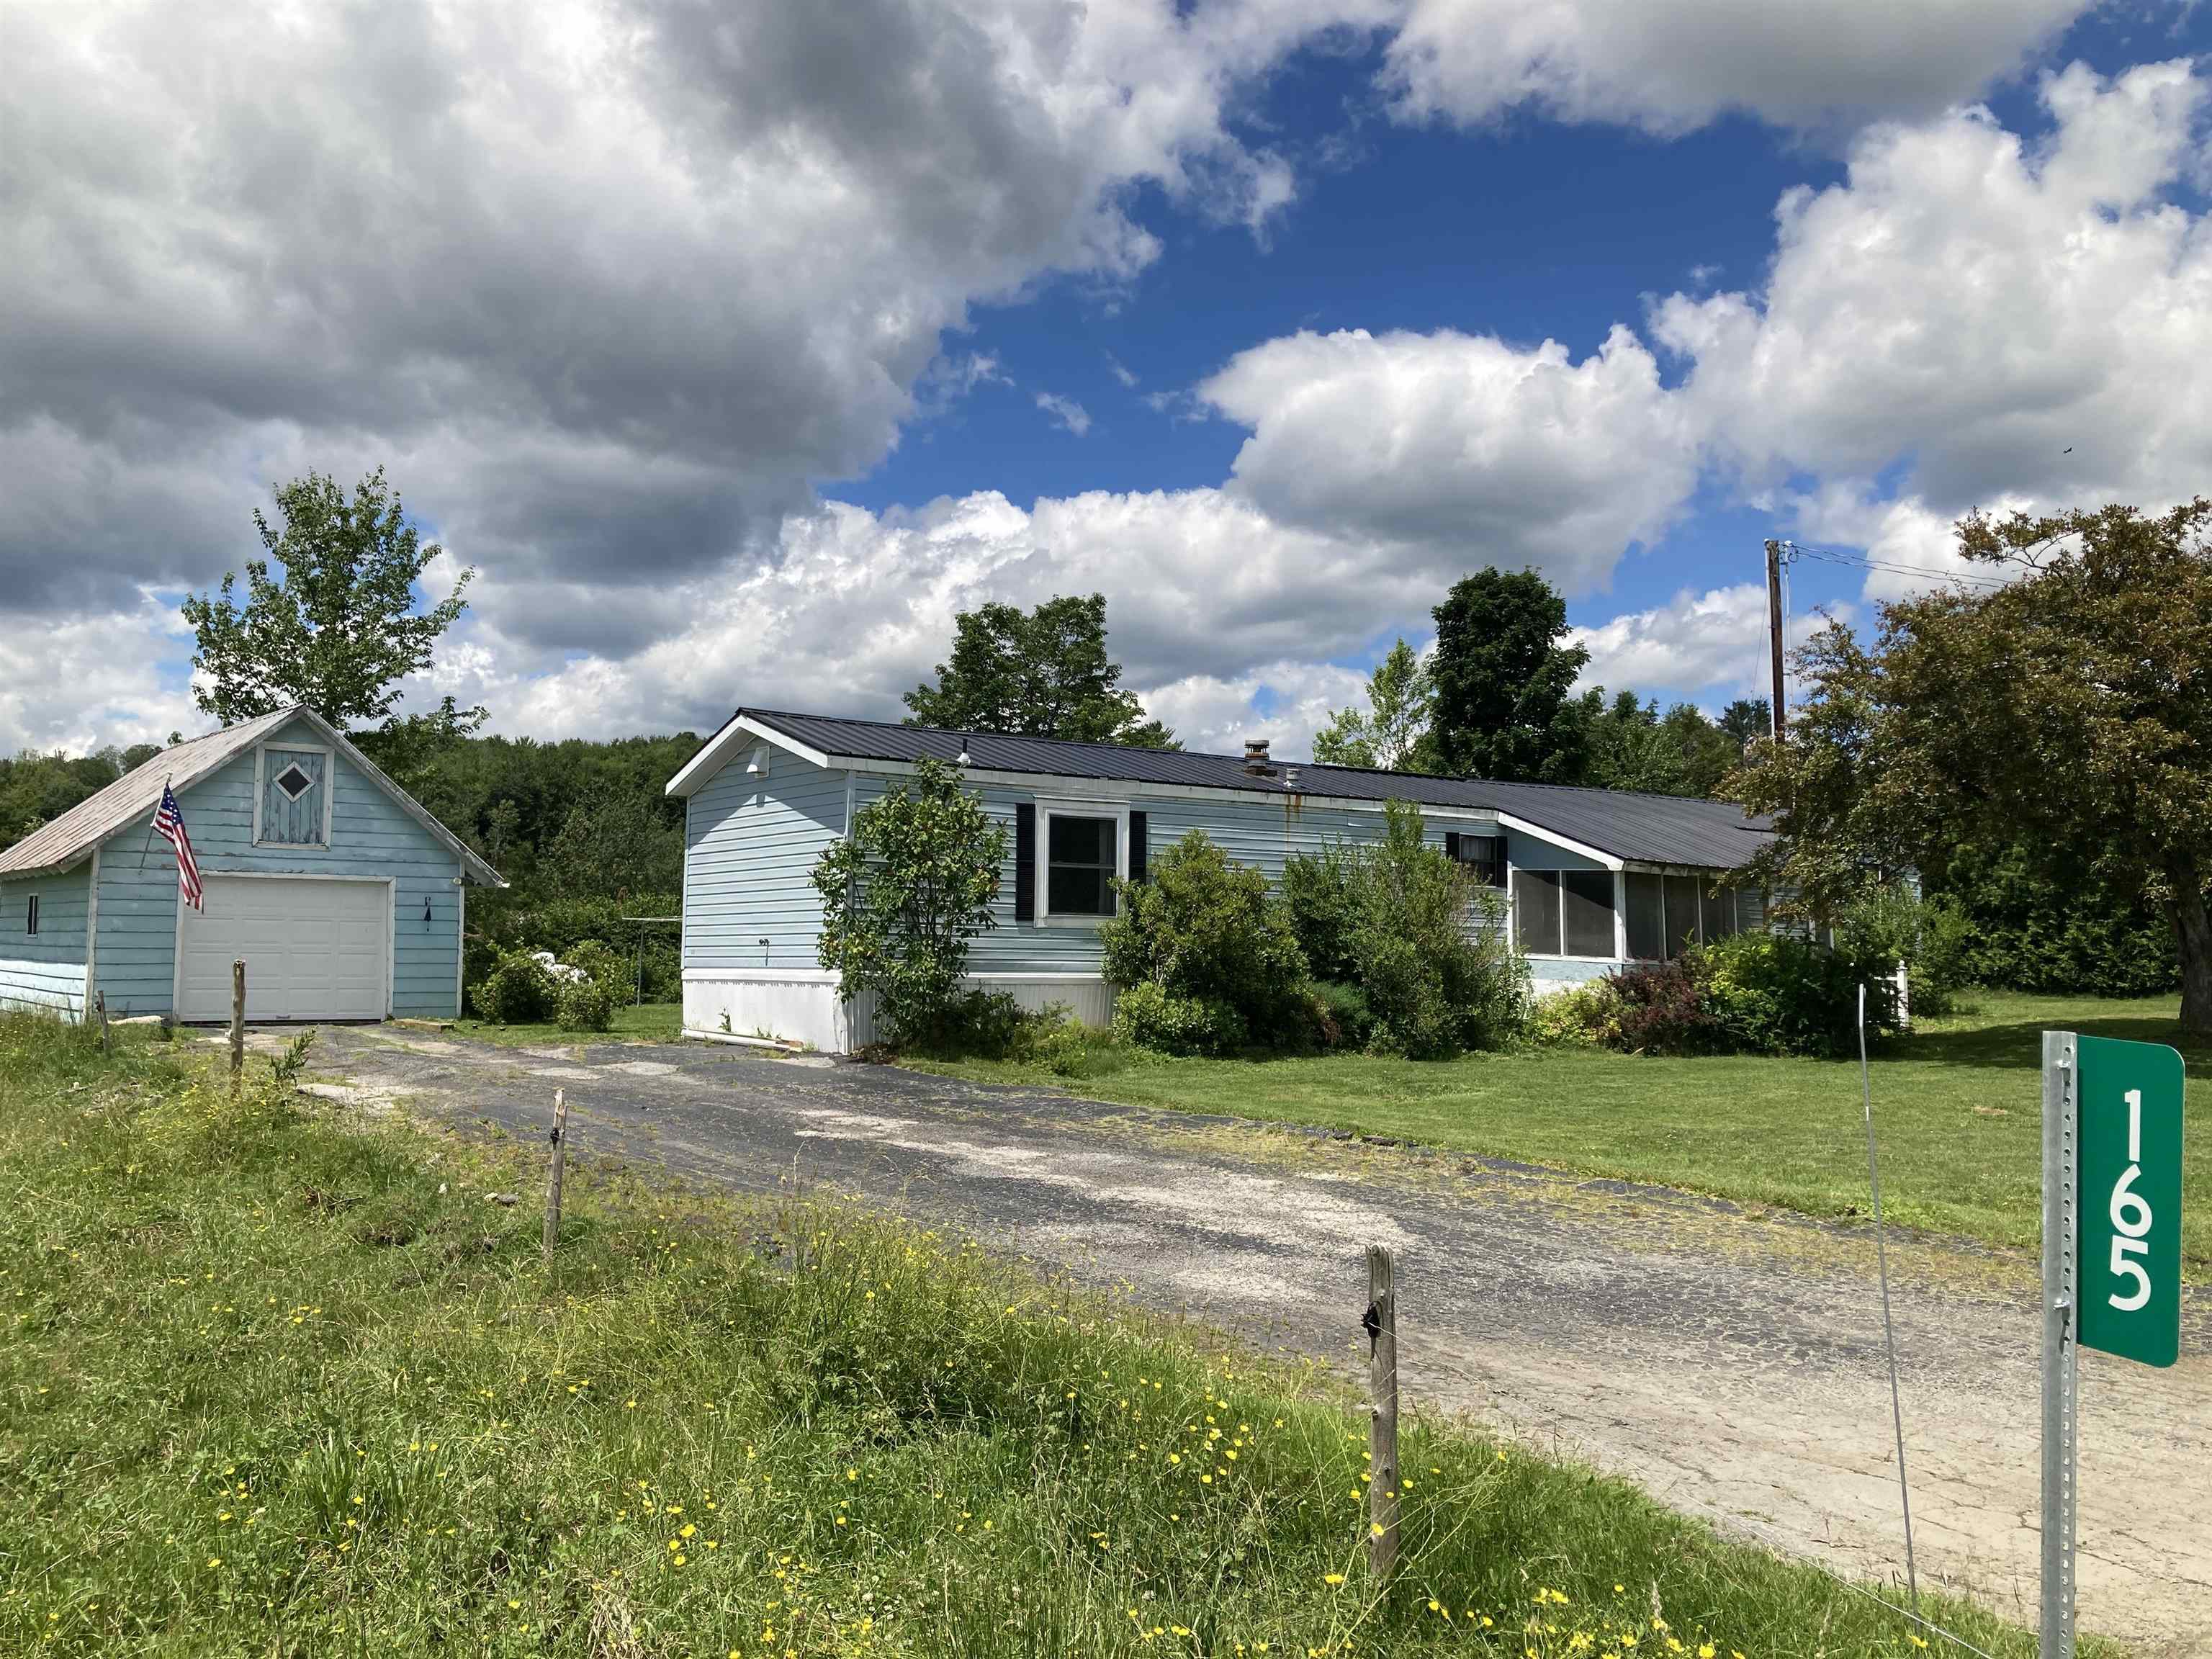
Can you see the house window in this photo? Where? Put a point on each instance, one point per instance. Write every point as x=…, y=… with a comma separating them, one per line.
x=1082, y=857
x=1667, y=914
x=1537, y=912
x=1483, y=855
x=1586, y=899
x=1681, y=913
x=31, y=915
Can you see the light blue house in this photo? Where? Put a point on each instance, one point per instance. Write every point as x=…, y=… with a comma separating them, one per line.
x=1591, y=878
x=341, y=894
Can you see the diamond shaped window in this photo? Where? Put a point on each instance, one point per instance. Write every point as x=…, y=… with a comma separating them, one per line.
x=295, y=782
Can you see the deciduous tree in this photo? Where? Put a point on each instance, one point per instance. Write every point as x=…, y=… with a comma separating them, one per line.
x=1502, y=672
x=340, y=629
x=1392, y=731
x=2074, y=705
x=1040, y=674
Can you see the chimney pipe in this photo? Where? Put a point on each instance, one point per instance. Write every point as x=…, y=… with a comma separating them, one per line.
x=1255, y=756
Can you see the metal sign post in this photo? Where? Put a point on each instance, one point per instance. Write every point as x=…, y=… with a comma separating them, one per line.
x=2058, y=1344
x=2111, y=1266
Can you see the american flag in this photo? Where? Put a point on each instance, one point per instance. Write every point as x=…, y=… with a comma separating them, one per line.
x=169, y=823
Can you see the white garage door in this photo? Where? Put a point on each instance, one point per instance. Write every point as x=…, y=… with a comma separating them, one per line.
x=312, y=950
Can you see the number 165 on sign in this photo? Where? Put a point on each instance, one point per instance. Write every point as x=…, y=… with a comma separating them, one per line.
x=2129, y=1265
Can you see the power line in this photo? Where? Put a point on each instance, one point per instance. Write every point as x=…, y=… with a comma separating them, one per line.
x=1794, y=550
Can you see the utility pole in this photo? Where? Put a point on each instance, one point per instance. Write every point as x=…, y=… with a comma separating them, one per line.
x=1774, y=626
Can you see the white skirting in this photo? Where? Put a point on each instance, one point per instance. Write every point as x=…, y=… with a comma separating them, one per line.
x=801, y=1004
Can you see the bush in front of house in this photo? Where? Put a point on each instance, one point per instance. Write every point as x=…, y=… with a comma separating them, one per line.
x=1578, y=1016
x=519, y=990
x=1148, y=1016
x=1756, y=993
x=1429, y=949
x=901, y=896
x=1320, y=890
x=1343, y=1014
x=1205, y=948
x=1772, y=994
x=585, y=1005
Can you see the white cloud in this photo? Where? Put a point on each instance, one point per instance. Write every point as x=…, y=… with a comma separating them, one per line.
x=1470, y=450
x=1973, y=308
x=1670, y=68
x=48, y=674
x=1708, y=646
x=1066, y=414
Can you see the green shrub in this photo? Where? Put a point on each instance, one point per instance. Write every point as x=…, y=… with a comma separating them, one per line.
x=1428, y=947
x=1931, y=937
x=1147, y=1016
x=1341, y=1012
x=502, y=922
x=603, y=967
x=1320, y=890
x=901, y=896
x=1770, y=994
x=1579, y=1016
x=1057, y=1040
x=1209, y=936
x=585, y=1004
x=518, y=991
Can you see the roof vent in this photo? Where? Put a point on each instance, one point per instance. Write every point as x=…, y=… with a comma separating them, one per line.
x=1255, y=757
x=1290, y=777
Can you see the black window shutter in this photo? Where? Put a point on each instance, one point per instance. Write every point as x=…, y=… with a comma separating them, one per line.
x=1451, y=845
x=1139, y=854
x=1024, y=862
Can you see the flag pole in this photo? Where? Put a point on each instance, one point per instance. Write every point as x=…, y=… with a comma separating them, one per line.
x=148, y=846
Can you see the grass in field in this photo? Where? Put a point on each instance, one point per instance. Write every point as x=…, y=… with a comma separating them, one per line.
x=650, y=1021
x=275, y=1383
x=1957, y=1105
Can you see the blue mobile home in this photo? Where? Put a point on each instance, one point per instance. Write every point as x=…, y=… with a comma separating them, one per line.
x=343, y=897
x=1591, y=878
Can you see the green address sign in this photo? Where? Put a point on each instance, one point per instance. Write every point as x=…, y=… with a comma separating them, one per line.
x=2128, y=1265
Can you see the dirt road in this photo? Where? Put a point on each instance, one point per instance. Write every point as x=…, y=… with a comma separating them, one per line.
x=1729, y=1362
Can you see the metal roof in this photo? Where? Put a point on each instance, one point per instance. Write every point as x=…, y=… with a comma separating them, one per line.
x=131, y=799
x=1640, y=828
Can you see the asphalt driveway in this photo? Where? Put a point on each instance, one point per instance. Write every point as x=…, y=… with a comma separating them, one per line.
x=1729, y=1362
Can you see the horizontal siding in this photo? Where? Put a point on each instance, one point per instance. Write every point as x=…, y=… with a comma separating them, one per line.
x=43, y=969
x=750, y=844
x=370, y=836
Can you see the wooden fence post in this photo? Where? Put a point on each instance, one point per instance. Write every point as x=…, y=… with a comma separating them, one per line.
x=237, y=1025
x=1381, y=1325
x=560, y=1162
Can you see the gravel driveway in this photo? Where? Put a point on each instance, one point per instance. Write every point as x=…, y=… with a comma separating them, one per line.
x=1729, y=1362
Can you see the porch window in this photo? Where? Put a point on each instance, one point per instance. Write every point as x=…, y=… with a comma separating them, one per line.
x=1537, y=912
x=1586, y=897
x=1681, y=913
x=1080, y=864
x=1647, y=915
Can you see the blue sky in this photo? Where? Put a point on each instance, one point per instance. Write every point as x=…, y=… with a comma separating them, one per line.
x=737, y=351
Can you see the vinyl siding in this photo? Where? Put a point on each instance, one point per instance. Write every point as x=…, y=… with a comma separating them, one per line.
x=45, y=970
x=370, y=836
x=750, y=843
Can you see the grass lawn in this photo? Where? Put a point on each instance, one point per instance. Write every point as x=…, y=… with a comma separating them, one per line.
x=650, y=1021
x=278, y=1381
x=1957, y=1105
